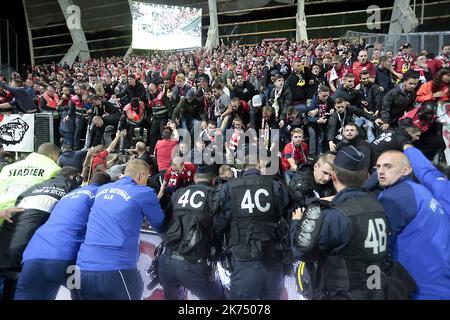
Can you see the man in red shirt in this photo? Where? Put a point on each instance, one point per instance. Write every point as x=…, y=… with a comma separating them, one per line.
x=404, y=60
x=164, y=147
x=363, y=64
x=293, y=155
x=335, y=76
x=180, y=174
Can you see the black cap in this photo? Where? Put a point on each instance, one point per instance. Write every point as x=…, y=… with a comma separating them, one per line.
x=406, y=45
x=350, y=158
x=190, y=94
x=274, y=72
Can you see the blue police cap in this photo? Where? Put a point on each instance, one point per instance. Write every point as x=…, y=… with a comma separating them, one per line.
x=350, y=158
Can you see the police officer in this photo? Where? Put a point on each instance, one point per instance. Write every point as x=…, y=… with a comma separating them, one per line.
x=313, y=181
x=190, y=243
x=109, y=254
x=253, y=209
x=348, y=239
x=38, y=202
x=54, y=246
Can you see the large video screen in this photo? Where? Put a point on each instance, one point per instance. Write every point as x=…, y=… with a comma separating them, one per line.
x=165, y=27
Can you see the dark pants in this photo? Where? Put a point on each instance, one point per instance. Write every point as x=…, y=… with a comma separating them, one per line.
x=256, y=280
x=68, y=137
x=79, y=123
x=431, y=142
x=41, y=278
x=176, y=274
x=111, y=285
x=156, y=129
x=8, y=283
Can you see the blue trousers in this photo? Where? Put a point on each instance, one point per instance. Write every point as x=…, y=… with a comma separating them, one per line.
x=41, y=278
x=176, y=274
x=252, y=280
x=111, y=285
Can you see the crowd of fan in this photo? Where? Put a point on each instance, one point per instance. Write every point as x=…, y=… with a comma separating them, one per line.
x=321, y=95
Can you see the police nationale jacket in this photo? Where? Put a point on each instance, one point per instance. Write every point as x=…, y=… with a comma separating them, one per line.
x=61, y=236
x=38, y=202
x=114, y=225
x=430, y=177
x=421, y=236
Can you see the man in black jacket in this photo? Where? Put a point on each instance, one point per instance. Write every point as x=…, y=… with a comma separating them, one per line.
x=344, y=114
x=312, y=181
x=352, y=138
x=134, y=88
x=243, y=89
x=298, y=83
x=399, y=100
x=38, y=202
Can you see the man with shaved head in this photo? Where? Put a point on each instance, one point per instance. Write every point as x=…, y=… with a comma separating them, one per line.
x=420, y=228
x=109, y=254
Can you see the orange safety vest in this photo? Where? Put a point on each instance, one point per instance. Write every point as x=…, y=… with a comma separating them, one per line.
x=51, y=102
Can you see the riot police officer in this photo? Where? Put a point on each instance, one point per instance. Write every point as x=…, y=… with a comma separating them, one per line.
x=188, y=259
x=312, y=181
x=252, y=218
x=347, y=238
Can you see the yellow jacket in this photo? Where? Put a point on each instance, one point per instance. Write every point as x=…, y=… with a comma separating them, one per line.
x=19, y=176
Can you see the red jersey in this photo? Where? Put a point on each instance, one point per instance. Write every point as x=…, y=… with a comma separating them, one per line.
x=178, y=180
x=402, y=64
x=297, y=153
x=163, y=149
x=358, y=67
x=337, y=76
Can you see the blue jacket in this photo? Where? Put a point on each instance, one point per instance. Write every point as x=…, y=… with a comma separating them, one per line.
x=61, y=236
x=430, y=177
x=421, y=237
x=113, y=229
x=72, y=159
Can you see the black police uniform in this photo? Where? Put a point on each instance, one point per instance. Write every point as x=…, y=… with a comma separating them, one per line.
x=188, y=260
x=252, y=216
x=303, y=187
x=347, y=239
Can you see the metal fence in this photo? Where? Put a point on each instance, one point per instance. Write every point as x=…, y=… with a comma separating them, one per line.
x=431, y=41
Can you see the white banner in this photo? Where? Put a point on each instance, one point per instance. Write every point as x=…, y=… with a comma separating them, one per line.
x=17, y=132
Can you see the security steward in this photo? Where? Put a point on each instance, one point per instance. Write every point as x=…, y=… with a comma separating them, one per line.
x=347, y=239
x=108, y=256
x=252, y=221
x=38, y=202
x=188, y=260
x=54, y=247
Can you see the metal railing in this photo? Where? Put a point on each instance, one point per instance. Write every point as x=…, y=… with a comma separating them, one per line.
x=431, y=41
